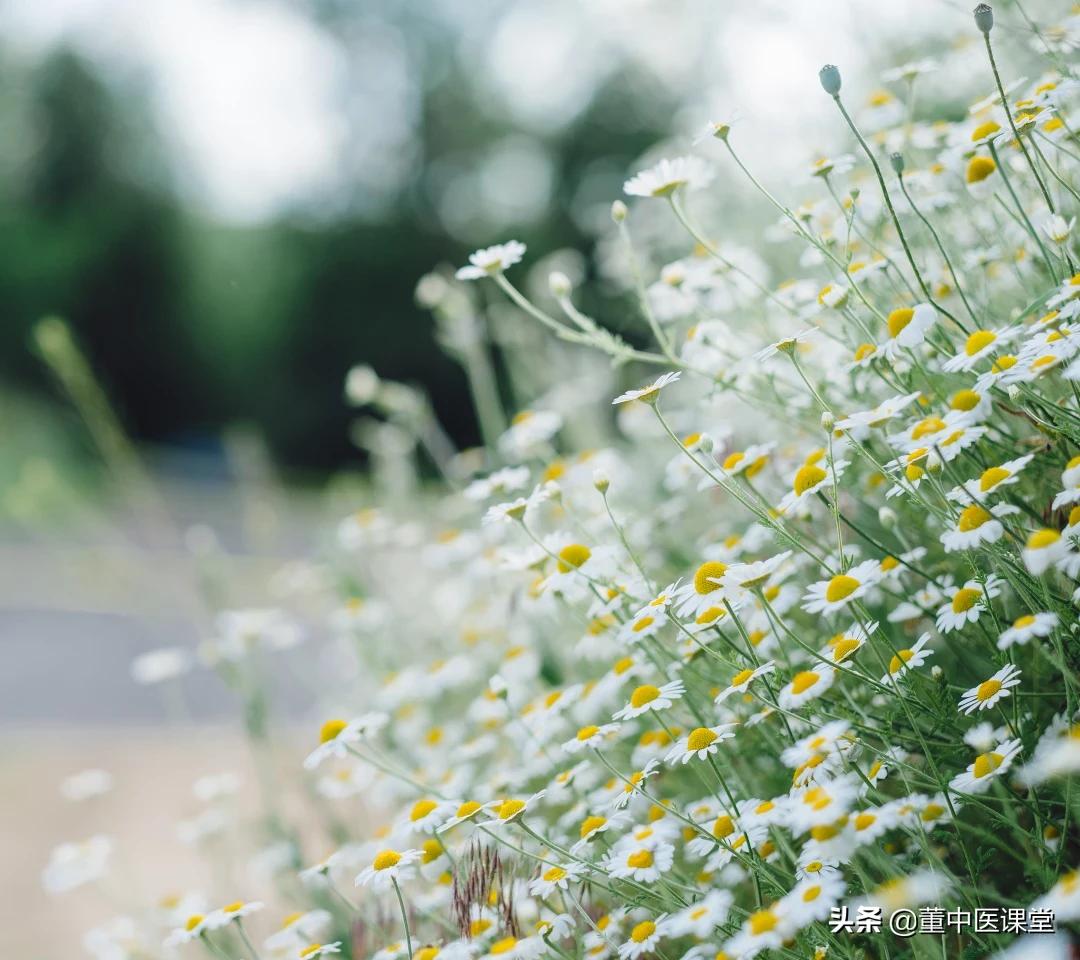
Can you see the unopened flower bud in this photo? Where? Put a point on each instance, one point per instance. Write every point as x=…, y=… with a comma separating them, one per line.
x=830, y=79
x=887, y=517
x=984, y=17
x=936, y=672
x=498, y=686
x=600, y=481
x=618, y=211
x=705, y=444
x=828, y=421
x=1013, y=392
x=559, y=284
x=933, y=461
x=897, y=161
x=361, y=385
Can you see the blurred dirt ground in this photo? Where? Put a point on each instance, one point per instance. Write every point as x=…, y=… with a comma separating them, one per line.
x=153, y=772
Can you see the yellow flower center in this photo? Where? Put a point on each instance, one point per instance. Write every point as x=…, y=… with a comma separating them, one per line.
x=987, y=689
x=643, y=931
x=1041, y=539
x=807, y=477
x=699, y=739
x=330, y=730
x=467, y=809
x=554, y=874
x=386, y=859
x=762, y=922
x=992, y=477
x=572, y=556
x=979, y=168
x=986, y=763
x=972, y=517
x=902, y=657
x=932, y=811
x=965, y=598
x=510, y=808
x=984, y=130
x=844, y=648
x=193, y=921
x=863, y=351
x=979, y=340
x=899, y=319
x=810, y=894
x=723, y=827
x=804, y=681
x=706, y=573
x=741, y=677
x=585, y=732
x=639, y=859
x=310, y=951
x=643, y=695
x=643, y=623
x=1025, y=621
x=841, y=587
x=964, y=400
x=864, y=821
x=590, y=824
x=503, y=946
x=421, y=809
x=234, y=907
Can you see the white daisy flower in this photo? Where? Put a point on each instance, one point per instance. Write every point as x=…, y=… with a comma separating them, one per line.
x=648, y=697
x=908, y=327
x=492, y=260
x=701, y=918
x=908, y=659
x=701, y=743
x=978, y=345
x=555, y=877
x=967, y=603
x=644, y=938
x=1043, y=549
x=336, y=736
x=387, y=867
x=314, y=950
x=667, y=176
x=73, y=865
x=810, y=479
x=986, y=766
x=805, y=686
x=829, y=596
x=645, y=864
x=976, y=525
x=742, y=680
x=764, y=929
x=514, y=948
x=1027, y=627
x=649, y=393
x=989, y=692
x=590, y=736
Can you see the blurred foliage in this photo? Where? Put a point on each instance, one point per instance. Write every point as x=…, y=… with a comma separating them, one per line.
x=191, y=324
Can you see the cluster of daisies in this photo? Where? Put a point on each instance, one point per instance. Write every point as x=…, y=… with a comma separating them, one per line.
x=788, y=629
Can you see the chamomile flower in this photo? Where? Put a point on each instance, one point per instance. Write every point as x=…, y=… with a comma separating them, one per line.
x=643, y=939
x=492, y=260
x=644, y=864
x=764, y=929
x=1028, y=627
x=590, y=736
x=832, y=595
x=649, y=697
x=967, y=603
x=812, y=899
x=977, y=525
x=992, y=480
x=985, y=768
x=337, y=736
x=908, y=659
x=516, y=948
x=908, y=327
x=668, y=176
x=555, y=877
x=980, y=344
x=1043, y=549
x=650, y=392
x=389, y=867
x=806, y=685
x=809, y=480
x=700, y=743
x=989, y=692
x=702, y=918
x=315, y=950
x=740, y=683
